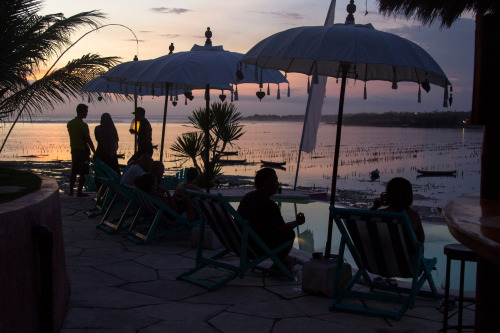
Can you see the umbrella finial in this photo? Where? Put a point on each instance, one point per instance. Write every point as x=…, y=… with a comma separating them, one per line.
x=208, y=34
x=351, y=9
x=171, y=48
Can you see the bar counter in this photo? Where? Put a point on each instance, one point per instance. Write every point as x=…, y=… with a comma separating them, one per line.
x=475, y=222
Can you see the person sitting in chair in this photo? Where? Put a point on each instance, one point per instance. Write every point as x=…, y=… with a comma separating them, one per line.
x=183, y=204
x=398, y=197
x=265, y=217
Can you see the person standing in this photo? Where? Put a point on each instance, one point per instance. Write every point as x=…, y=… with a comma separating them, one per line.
x=144, y=134
x=81, y=144
x=107, y=142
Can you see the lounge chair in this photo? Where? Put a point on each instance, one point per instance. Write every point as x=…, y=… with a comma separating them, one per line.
x=381, y=243
x=154, y=219
x=104, y=174
x=234, y=233
x=125, y=202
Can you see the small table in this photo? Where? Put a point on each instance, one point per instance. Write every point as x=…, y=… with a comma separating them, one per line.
x=475, y=222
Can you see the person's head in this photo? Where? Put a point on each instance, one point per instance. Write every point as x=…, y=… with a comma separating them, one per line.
x=266, y=181
x=106, y=119
x=146, y=182
x=145, y=162
x=157, y=169
x=82, y=110
x=140, y=113
x=191, y=174
x=399, y=193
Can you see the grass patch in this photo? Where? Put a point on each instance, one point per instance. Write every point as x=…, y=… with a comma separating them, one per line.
x=12, y=177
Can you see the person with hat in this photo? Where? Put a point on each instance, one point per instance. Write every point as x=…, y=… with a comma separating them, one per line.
x=144, y=133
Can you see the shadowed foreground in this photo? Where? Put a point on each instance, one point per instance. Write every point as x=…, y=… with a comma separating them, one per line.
x=121, y=287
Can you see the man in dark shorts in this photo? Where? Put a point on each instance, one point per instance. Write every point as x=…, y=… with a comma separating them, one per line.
x=264, y=215
x=144, y=134
x=81, y=144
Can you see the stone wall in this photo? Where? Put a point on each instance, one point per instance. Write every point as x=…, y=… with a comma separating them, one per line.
x=20, y=279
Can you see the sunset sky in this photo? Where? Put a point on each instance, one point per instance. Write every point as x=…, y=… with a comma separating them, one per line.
x=238, y=25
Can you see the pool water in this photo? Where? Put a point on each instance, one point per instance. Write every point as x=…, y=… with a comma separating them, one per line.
x=313, y=234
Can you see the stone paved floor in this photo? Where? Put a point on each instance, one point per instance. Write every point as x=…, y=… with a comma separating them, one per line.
x=121, y=287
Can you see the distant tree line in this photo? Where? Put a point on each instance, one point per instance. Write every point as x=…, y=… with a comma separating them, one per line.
x=386, y=119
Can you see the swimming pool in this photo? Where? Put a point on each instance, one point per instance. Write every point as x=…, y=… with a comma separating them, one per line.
x=313, y=234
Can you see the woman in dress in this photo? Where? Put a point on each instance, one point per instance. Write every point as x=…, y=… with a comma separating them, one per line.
x=107, y=142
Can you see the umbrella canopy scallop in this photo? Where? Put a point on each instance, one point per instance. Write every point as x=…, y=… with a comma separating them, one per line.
x=370, y=53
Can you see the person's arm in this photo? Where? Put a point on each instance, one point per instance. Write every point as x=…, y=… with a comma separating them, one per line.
x=299, y=220
x=89, y=142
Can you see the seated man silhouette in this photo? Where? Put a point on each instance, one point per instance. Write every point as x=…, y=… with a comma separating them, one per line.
x=265, y=217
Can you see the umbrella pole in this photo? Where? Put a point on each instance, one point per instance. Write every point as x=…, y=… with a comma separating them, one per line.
x=328, y=245
x=135, y=124
x=207, y=136
x=164, y=122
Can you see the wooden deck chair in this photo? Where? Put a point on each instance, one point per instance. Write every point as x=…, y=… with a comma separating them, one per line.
x=153, y=215
x=125, y=202
x=234, y=233
x=104, y=174
x=381, y=243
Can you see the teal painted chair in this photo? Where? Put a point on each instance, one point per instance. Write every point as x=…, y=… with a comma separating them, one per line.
x=154, y=219
x=384, y=244
x=104, y=174
x=235, y=234
x=122, y=207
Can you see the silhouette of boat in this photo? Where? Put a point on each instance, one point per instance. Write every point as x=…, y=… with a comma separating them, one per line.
x=228, y=153
x=272, y=164
x=228, y=161
x=436, y=173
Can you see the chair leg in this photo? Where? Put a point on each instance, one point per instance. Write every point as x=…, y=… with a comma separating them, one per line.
x=446, y=295
x=461, y=296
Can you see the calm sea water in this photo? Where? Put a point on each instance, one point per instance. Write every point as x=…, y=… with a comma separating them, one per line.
x=393, y=151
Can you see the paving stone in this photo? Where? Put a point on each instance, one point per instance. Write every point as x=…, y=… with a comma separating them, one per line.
x=130, y=271
x=94, y=319
x=162, y=261
x=305, y=324
x=197, y=326
x=183, y=311
x=109, y=297
x=91, y=276
x=272, y=310
x=235, y=295
x=232, y=322
x=169, y=290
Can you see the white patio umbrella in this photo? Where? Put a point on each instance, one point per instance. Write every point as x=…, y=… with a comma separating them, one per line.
x=101, y=85
x=347, y=51
x=206, y=67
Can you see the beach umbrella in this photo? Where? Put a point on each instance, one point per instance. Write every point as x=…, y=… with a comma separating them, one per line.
x=344, y=51
x=207, y=67
x=101, y=85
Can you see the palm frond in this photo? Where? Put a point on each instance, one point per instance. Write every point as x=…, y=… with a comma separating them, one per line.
x=427, y=11
x=55, y=88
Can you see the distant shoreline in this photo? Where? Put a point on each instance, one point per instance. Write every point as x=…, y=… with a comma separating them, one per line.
x=434, y=119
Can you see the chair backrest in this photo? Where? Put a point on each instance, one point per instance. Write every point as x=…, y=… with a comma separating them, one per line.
x=106, y=170
x=227, y=224
x=381, y=242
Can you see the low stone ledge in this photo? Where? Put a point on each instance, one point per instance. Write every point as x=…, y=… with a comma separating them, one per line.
x=20, y=262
